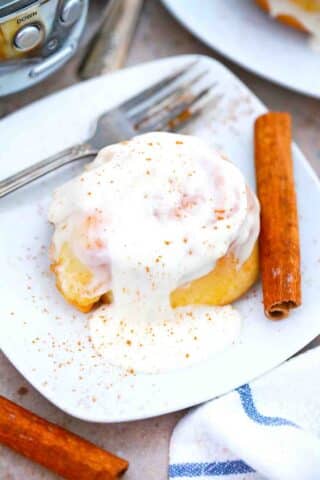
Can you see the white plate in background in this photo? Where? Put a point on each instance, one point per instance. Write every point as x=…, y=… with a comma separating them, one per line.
x=244, y=33
x=47, y=340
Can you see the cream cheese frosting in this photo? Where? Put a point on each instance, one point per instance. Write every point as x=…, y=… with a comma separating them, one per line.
x=145, y=217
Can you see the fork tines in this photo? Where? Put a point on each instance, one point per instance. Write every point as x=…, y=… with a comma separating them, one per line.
x=172, y=102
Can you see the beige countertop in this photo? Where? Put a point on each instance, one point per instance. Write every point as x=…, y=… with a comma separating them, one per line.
x=143, y=443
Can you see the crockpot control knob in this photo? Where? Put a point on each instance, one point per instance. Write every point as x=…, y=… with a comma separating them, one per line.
x=71, y=11
x=28, y=37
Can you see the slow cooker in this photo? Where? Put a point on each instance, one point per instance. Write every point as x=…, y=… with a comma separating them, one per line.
x=36, y=38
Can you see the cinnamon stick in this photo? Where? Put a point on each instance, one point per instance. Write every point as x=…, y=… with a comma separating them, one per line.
x=279, y=237
x=53, y=447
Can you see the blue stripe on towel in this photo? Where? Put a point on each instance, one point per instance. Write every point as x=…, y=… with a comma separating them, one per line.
x=193, y=470
x=250, y=409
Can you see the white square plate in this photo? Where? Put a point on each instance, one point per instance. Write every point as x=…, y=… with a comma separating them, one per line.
x=47, y=340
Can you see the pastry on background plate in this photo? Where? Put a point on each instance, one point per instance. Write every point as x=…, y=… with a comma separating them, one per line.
x=162, y=230
x=301, y=14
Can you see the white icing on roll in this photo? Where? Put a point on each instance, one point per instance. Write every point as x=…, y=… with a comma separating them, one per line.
x=308, y=18
x=147, y=216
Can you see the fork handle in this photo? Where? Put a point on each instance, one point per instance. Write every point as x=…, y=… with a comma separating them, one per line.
x=43, y=167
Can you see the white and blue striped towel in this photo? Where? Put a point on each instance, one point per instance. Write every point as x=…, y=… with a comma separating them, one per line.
x=269, y=429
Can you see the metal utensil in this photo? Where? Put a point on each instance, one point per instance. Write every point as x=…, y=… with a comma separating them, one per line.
x=109, y=48
x=167, y=105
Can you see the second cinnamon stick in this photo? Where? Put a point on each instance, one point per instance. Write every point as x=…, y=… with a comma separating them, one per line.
x=61, y=451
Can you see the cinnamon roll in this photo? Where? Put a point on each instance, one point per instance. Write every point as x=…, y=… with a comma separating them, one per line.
x=301, y=14
x=162, y=230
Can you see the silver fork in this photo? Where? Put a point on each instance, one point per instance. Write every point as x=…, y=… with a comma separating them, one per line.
x=167, y=105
